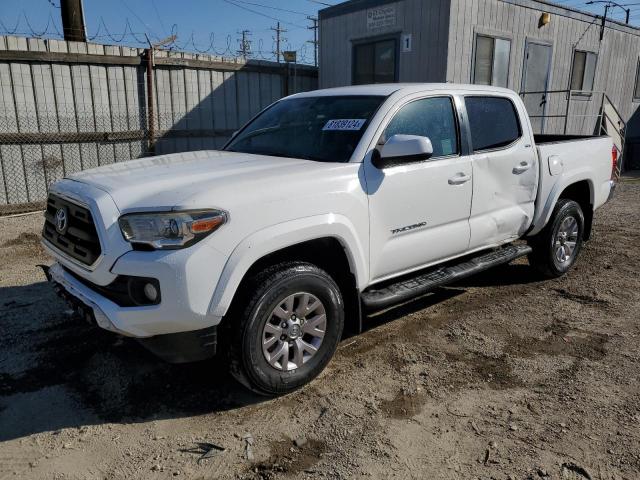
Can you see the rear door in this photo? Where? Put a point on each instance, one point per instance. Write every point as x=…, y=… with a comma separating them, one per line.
x=419, y=211
x=505, y=170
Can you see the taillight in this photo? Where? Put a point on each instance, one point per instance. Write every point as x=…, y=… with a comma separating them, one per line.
x=614, y=163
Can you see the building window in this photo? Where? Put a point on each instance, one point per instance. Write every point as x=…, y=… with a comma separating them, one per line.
x=432, y=117
x=583, y=71
x=636, y=92
x=374, y=62
x=493, y=121
x=491, y=63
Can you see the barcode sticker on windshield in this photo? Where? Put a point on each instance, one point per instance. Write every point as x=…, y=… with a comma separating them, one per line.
x=344, y=124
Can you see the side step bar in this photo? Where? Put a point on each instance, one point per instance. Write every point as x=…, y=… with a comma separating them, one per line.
x=379, y=298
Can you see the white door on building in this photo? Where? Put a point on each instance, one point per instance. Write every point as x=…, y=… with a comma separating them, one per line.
x=535, y=78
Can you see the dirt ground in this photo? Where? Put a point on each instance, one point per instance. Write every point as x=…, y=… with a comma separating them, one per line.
x=502, y=376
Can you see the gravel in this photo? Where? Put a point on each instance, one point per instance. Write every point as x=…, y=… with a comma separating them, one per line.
x=501, y=376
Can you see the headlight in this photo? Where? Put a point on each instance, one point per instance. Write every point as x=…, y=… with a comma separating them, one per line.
x=170, y=230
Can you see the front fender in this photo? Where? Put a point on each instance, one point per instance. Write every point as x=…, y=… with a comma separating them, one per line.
x=283, y=235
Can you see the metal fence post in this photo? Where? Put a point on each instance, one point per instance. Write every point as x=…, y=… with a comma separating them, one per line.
x=566, y=112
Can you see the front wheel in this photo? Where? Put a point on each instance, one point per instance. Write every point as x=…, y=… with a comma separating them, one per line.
x=556, y=247
x=287, y=329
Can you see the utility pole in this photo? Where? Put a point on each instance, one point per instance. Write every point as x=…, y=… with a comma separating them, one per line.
x=604, y=21
x=314, y=42
x=73, y=20
x=245, y=44
x=610, y=4
x=279, y=39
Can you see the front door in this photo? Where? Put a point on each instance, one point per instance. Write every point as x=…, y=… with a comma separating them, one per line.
x=419, y=212
x=535, y=78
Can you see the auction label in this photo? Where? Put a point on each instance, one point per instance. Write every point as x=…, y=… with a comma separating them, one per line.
x=344, y=124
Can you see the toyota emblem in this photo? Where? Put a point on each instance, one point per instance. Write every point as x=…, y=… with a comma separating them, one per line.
x=62, y=220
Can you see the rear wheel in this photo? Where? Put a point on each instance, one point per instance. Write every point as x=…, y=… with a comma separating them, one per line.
x=287, y=328
x=556, y=247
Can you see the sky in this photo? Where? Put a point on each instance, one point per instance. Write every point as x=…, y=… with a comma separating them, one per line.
x=194, y=21
x=209, y=26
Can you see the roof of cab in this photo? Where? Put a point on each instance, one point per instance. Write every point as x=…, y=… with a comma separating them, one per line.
x=386, y=89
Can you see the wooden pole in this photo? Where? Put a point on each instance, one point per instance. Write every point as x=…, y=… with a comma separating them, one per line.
x=73, y=20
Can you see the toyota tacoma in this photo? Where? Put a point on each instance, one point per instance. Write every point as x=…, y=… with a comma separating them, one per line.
x=325, y=206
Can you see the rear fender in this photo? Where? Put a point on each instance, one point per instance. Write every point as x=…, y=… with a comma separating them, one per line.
x=542, y=218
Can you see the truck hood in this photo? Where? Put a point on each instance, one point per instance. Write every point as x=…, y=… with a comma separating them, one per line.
x=175, y=180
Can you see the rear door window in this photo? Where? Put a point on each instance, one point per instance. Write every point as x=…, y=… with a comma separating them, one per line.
x=493, y=121
x=432, y=117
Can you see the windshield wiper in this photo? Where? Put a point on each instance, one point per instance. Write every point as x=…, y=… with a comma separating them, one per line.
x=260, y=131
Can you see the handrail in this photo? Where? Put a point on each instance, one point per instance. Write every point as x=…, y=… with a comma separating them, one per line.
x=606, y=122
x=615, y=110
x=570, y=93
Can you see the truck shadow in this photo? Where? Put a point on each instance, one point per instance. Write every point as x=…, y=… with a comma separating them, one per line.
x=58, y=372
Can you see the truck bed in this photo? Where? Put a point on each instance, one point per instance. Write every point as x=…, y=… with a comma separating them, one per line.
x=567, y=159
x=542, y=139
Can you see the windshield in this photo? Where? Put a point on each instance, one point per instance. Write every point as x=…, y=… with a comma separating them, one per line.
x=325, y=129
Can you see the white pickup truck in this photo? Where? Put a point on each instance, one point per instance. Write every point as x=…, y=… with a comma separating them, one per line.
x=327, y=205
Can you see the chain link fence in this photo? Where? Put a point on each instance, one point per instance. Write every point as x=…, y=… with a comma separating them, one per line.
x=52, y=145
x=57, y=119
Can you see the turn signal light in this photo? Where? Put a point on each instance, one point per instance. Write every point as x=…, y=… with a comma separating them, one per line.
x=206, y=224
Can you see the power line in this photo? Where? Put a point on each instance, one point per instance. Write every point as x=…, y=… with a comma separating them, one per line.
x=155, y=7
x=271, y=7
x=262, y=14
x=321, y=3
x=138, y=17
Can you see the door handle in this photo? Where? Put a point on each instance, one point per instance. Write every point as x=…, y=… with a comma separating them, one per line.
x=459, y=179
x=523, y=167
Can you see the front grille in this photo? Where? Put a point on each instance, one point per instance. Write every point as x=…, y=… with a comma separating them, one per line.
x=79, y=239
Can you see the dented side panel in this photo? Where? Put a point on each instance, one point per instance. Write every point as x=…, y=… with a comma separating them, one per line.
x=505, y=183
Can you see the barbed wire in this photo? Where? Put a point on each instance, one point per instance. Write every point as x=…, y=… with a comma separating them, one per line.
x=128, y=35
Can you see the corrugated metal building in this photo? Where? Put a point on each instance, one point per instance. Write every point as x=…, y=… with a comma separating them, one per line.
x=525, y=45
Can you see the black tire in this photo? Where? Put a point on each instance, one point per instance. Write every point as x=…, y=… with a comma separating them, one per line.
x=543, y=257
x=259, y=297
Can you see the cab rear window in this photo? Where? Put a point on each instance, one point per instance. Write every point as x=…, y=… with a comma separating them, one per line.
x=493, y=121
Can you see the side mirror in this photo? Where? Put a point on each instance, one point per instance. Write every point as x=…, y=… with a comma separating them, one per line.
x=401, y=149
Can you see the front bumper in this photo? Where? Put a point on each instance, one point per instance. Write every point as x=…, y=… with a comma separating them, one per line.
x=179, y=347
x=187, y=277
x=187, y=281
x=79, y=297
